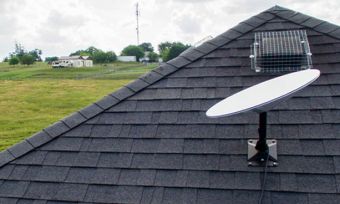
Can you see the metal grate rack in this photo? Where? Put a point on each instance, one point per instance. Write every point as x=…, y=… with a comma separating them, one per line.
x=281, y=51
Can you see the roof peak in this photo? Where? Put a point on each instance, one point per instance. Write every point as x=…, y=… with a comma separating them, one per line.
x=277, y=8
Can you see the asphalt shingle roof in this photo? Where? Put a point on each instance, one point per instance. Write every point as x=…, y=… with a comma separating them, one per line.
x=150, y=141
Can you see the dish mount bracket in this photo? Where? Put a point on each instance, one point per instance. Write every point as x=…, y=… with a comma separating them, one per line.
x=262, y=151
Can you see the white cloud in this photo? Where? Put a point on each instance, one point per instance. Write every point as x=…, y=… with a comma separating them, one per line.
x=63, y=26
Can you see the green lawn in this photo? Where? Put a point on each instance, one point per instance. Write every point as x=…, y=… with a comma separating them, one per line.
x=33, y=97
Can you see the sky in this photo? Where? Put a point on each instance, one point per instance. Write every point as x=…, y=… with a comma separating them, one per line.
x=59, y=27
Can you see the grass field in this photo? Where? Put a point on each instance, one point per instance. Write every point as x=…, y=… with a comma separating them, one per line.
x=33, y=97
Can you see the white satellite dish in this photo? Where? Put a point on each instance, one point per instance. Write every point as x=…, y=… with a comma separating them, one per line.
x=260, y=98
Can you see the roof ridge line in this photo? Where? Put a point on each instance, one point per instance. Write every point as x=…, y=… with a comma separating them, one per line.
x=311, y=22
x=79, y=117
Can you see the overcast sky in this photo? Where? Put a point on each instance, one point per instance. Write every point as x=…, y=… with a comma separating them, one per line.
x=59, y=27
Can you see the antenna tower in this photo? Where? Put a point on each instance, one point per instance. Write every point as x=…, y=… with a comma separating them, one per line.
x=137, y=17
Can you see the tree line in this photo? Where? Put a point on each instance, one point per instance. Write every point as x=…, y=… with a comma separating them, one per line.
x=22, y=56
x=167, y=51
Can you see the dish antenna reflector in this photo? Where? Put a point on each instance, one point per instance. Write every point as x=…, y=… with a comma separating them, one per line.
x=261, y=98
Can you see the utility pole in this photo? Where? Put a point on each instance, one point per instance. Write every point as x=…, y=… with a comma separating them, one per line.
x=137, y=17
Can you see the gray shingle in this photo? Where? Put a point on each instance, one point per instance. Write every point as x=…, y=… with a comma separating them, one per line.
x=107, y=102
x=52, y=173
x=105, y=176
x=81, y=175
x=312, y=147
x=319, y=165
x=225, y=180
x=165, y=178
x=201, y=146
x=18, y=173
x=5, y=157
x=206, y=47
x=201, y=162
x=213, y=196
x=326, y=27
x=115, y=194
x=137, y=85
x=312, y=22
x=13, y=188
x=66, y=158
x=142, y=131
x=146, y=177
x=115, y=160
x=317, y=183
x=56, y=129
x=124, y=106
x=331, y=147
x=192, y=55
x=147, y=195
x=324, y=198
x=86, y=159
x=71, y=192
x=151, y=77
x=219, y=40
x=143, y=161
x=8, y=200
x=74, y=119
x=91, y=110
x=80, y=131
x=165, y=69
x=168, y=161
x=243, y=27
x=145, y=145
x=38, y=139
x=172, y=195
x=179, y=62
x=198, y=179
x=288, y=182
x=170, y=146
x=286, y=197
x=128, y=177
x=64, y=144
x=6, y=171
x=254, y=21
x=247, y=180
x=122, y=93
x=39, y=190
x=20, y=148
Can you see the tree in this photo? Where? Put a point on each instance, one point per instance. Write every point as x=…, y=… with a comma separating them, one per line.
x=5, y=59
x=36, y=53
x=146, y=47
x=133, y=50
x=111, y=56
x=153, y=57
x=176, y=49
x=164, y=46
x=49, y=60
x=27, y=59
x=13, y=61
x=170, y=50
x=97, y=55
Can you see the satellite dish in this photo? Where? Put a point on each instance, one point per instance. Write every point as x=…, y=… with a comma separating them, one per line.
x=261, y=98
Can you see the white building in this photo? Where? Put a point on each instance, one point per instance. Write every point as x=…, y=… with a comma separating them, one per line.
x=73, y=61
x=126, y=58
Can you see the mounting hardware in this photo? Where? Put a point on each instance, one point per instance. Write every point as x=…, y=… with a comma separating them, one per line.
x=262, y=150
x=257, y=158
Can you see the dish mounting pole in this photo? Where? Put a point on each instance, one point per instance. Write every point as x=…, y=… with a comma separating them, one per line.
x=262, y=151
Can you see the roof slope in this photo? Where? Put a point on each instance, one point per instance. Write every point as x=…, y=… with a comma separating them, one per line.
x=150, y=142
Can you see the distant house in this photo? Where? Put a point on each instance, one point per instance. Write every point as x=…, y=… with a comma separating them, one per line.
x=73, y=61
x=126, y=58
